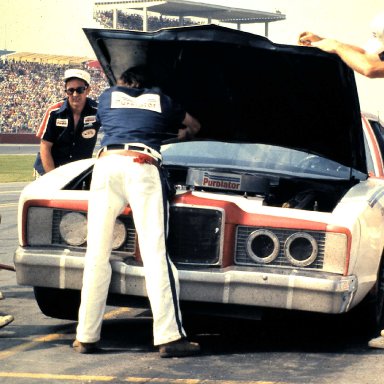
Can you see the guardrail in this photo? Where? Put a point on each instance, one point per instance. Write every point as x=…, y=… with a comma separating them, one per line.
x=18, y=138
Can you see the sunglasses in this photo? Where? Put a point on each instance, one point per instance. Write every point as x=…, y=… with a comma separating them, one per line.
x=79, y=90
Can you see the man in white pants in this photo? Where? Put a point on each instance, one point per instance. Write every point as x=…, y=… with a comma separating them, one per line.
x=133, y=117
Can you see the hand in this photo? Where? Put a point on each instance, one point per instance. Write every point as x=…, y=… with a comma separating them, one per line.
x=183, y=134
x=307, y=38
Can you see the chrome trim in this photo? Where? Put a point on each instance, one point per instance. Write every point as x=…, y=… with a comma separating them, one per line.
x=298, y=290
x=309, y=260
x=269, y=234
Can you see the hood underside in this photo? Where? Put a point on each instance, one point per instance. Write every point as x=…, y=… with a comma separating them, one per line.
x=244, y=88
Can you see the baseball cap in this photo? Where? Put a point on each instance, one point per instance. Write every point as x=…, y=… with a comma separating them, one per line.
x=376, y=43
x=78, y=73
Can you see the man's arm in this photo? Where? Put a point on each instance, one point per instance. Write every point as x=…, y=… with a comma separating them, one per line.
x=358, y=59
x=46, y=155
x=192, y=127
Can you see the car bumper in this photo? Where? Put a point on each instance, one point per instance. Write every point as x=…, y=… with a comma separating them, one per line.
x=283, y=288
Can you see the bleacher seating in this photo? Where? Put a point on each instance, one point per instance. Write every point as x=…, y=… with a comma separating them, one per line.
x=135, y=21
x=29, y=83
x=28, y=88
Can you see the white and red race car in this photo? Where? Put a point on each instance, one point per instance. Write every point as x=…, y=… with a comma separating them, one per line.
x=279, y=199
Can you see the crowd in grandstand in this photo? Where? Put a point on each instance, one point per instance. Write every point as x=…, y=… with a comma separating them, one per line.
x=135, y=22
x=28, y=88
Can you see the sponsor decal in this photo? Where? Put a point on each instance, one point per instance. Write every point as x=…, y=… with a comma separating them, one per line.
x=150, y=102
x=221, y=181
x=62, y=123
x=89, y=120
x=88, y=133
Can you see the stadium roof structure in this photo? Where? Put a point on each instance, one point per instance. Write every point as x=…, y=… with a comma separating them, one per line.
x=185, y=8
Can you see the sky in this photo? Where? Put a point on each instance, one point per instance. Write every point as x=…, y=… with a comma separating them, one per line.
x=55, y=27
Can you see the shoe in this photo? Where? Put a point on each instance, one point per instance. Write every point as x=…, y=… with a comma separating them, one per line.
x=377, y=342
x=5, y=320
x=84, y=347
x=179, y=348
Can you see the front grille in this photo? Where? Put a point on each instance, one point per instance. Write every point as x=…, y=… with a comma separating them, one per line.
x=242, y=257
x=195, y=235
x=129, y=245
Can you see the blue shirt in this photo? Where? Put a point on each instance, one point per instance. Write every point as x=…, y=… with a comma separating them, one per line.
x=138, y=115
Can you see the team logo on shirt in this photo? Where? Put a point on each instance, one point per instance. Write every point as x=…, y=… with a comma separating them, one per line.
x=147, y=101
x=62, y=123
x=88, y=133
x=89, y=120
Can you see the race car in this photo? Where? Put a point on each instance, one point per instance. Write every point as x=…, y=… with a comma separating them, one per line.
x=278, y=201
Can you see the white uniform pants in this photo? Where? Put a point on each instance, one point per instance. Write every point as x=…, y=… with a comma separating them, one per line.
x=116, y=182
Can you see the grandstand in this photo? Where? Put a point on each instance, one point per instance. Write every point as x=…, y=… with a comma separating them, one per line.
x=183, y=12
x=29, y=82
x=28, y=87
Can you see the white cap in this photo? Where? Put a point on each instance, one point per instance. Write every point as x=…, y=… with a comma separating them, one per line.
x=376, y=43
x=78, y=74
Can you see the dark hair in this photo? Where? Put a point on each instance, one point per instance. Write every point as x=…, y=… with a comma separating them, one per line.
x=138, y=74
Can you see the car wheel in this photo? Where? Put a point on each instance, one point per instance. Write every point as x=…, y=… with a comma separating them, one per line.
x=371, y=310
x=58, y=303
x=378, y=304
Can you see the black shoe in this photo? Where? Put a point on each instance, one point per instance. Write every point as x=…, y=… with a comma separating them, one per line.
x=179, y=348
x=84, y=347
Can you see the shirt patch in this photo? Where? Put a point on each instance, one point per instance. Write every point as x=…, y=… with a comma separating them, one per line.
x=62, y=123
x=88, y=133
x=150, y=102
x=89, y=120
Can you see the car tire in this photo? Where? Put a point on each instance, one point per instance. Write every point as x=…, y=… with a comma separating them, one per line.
x=58, y=303
x=370, y=313
x=377, y=306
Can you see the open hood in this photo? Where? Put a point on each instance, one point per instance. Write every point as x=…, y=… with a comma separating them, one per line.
x=244, y=88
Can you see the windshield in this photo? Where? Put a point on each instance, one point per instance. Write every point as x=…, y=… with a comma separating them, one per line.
x=253, y=158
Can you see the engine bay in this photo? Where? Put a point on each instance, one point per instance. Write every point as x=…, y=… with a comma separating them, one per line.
x=277, y=191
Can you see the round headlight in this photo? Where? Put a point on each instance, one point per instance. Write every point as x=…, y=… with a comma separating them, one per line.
x=263, y=246
x=73, y=228
x=119, y=234
x=301, y=249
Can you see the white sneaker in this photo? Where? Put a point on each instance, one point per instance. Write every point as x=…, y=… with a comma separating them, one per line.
x=5, y=320
x=377, y=342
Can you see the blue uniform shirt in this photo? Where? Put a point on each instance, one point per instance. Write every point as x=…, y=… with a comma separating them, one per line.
x=138, y=115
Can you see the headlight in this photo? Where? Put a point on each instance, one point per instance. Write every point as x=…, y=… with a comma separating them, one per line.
x=263, y=246
x=301, y=249
x=119, y=234
x=73, y=228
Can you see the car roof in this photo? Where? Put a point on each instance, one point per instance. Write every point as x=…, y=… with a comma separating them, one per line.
x=245, y=88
